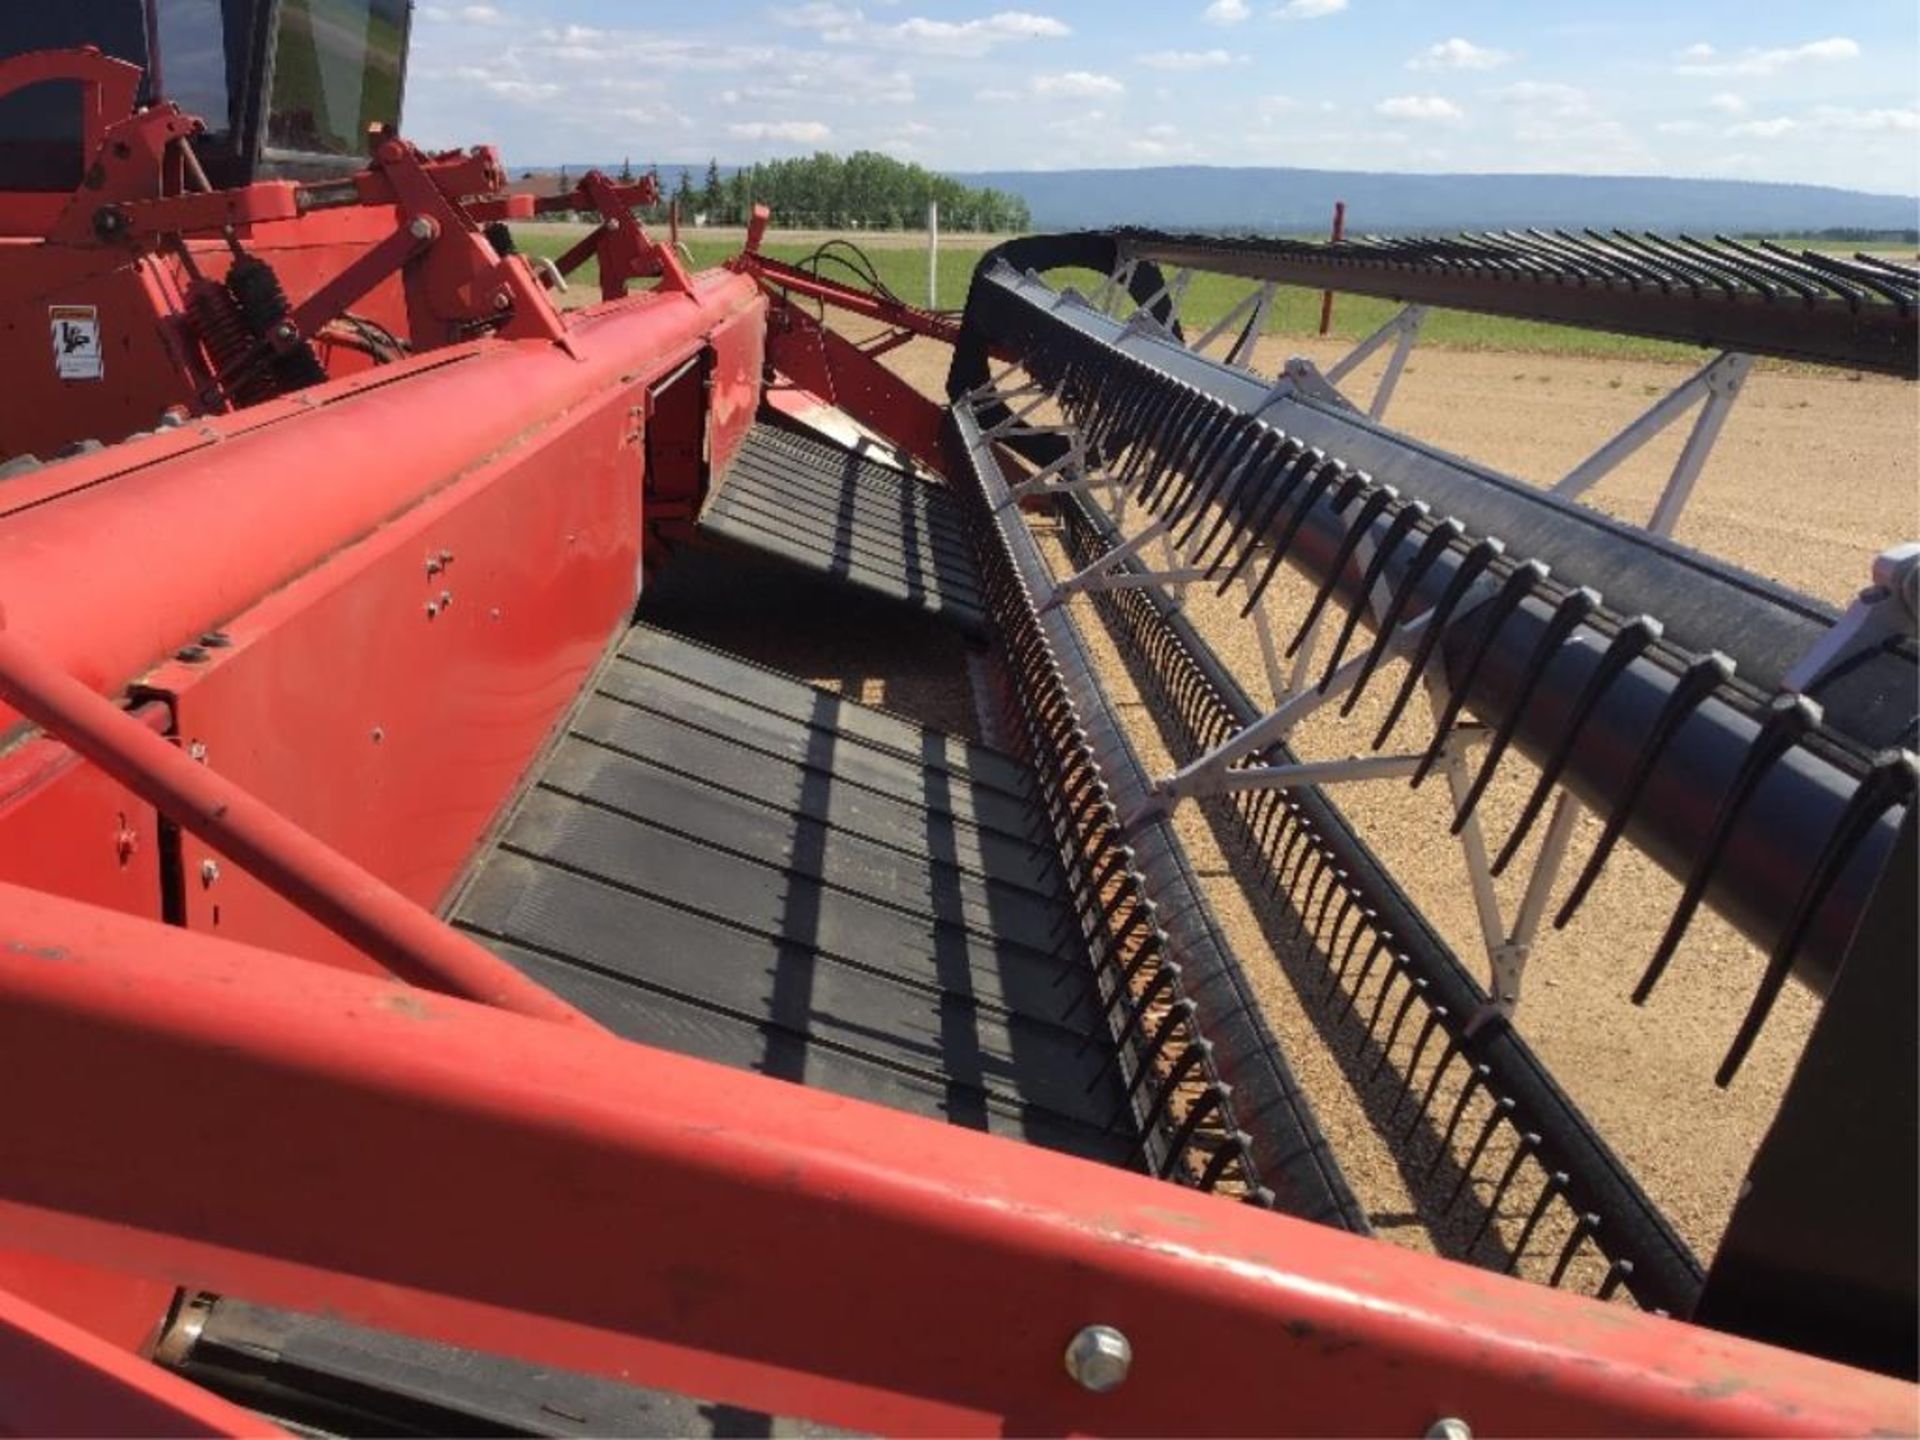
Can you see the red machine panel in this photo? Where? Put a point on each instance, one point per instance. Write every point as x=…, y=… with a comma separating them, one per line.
x=503, y=589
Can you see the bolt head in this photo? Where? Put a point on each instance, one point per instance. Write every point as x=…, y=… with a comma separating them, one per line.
x=1098, y=1358
x=286, y=331
x=209, y=871
x=503, y=301
x=1450, y=1427
x=422, y=228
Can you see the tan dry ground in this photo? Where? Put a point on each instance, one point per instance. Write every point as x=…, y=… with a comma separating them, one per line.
x=1814, y=473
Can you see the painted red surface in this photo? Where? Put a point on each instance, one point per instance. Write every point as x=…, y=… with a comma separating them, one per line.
x=454, y=1171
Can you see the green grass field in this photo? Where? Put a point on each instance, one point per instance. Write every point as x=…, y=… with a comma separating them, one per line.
x=1295, y=312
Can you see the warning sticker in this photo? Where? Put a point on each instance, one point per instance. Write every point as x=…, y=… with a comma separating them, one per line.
x=76, y=342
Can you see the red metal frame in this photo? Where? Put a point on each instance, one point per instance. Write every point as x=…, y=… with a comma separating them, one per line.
x=322, y=1140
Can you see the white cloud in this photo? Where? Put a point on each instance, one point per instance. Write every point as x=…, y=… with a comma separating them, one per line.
x=792, y=132
x=1458, y=54
x=1419, y=107
x=1727, y=103
x=1226, y=12
x=1703, y=59
x=1077, y=85
x=996, y=96
x=1832, y=117
x=1190, y=59
x=1547, y=95
x=472, y=14
x=1764, y=129
x=1310, y=9
x=816, y=15
x=964, y=38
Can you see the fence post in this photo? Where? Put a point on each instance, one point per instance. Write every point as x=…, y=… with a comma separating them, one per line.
x=933, y=254
x=1326, y=296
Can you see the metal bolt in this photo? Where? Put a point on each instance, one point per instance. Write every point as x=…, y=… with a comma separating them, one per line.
x=216, y=640
x=433, y=609
x=1098, y=1358
x=1449, y=1428
x=379, y=734
x=286, y=330
x=503, y=301
x=197, y=751
x=125, y=842
x=433, y=565
x=191, y=654
x=446, y=599
x=423, y=228
x=209, y=871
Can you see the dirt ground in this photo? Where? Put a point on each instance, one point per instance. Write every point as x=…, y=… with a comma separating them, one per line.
x=1812, y=476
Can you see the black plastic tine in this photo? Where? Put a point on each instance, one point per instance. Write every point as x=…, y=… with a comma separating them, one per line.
x=1436, y=1016
x=1316, y=490
x=1397, y=970
x=1431, y=548
x=1891, y=781
x=1335, y=976
x=1204, y=415
x=1297, y=468
x=1380, y=497
x=1234, y=1148
x=1618, y=1273
x=1404, y=519
x=1190, y=1059
x=1211, y=1100
x=1374, y=952
x=1583, y=1226
x=1181, y=1012
x=1211, y=471
x=1627, y=644
x=1144, y=453
x=1699, y=680
x=1447, y=1054
x=1528, y=1143
x=1416, y=987
x=1190, y=461
x=1502, y=1109
x=1556, y=1185
x=1250, y=464
x=1130, y=454
x=1573, y=608
x=1790, y=718
x=1476, y=560
x=1479, y=1078
x=1520, y=583
x=1226, y=473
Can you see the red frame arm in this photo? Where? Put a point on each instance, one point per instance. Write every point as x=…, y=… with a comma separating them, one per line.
x=274, y=1129
x=63, y=1380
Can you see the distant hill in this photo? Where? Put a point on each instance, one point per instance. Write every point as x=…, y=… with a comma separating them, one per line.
x=1201, y=197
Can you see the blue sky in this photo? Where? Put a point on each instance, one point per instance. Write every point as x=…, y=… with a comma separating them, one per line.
x=1768, y=89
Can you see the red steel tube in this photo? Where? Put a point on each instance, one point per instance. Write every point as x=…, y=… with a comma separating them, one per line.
x=357, y=906
x=594, y=1205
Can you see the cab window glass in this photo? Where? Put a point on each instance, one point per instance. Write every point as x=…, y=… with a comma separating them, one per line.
x=40, y=126
x=336, y=72
x=193, y=60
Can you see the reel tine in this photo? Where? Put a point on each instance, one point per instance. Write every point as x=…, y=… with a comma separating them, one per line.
x=1188, y=467
x=1633, y=638
x=1211, y=470
x=1380, y=497
x=1479, y=1078
x=1416, y=987
x=1529, y=1143
x=1521, y=583
x=1436, y=1015
x=1210, y=1103
x=1573, y=608
x=1503, y=1109
x=1447, y=1054
x=1892, y=781
x=1250, y=464
x=1325, y=473
x=1472, y=564
x=1618, y=1273
x=1790, y=718
x=1700, y=679
x=1374, y=952
x=1436, y=543
x=1583, y=1226
x=1296, y=469
x=1556, y=1185
x=1404, y=519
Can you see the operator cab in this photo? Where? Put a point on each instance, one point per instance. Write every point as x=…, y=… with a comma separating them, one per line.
x=287, y=88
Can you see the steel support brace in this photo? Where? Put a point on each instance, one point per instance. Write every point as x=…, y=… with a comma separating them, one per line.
x=582, y=1202
x=1718, y=384
x=1403, y=330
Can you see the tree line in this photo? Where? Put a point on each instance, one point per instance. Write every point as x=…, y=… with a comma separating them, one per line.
x=864, y=190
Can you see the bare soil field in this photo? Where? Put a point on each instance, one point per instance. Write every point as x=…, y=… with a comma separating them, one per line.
x=1813, y=475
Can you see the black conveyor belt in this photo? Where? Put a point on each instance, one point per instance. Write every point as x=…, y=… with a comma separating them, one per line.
x=865, y=524
x=723, y=861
